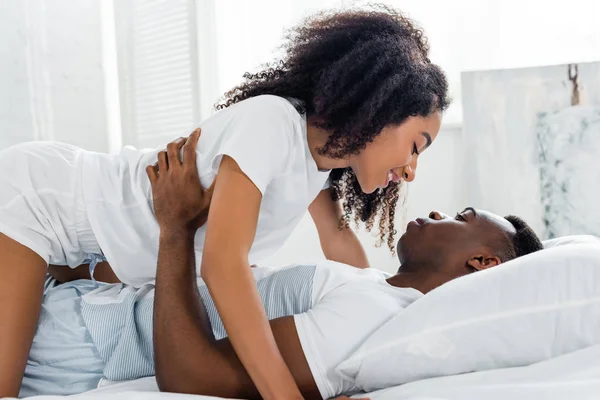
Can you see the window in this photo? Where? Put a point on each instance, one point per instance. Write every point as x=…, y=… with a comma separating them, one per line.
x=158, y=69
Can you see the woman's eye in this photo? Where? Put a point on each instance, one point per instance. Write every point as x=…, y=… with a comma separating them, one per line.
x=460, y=217
x=415, y=150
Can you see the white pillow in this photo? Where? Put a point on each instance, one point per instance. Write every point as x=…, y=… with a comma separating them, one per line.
x=527, y=310
x=573, y=239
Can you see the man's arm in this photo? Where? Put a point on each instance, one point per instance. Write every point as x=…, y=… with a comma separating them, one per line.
x=341, y=245
x=187, y=357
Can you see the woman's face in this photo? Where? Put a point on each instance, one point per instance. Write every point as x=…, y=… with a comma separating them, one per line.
x=393, y=154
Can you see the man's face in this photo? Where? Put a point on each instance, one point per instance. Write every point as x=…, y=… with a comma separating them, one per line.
x=449, y=242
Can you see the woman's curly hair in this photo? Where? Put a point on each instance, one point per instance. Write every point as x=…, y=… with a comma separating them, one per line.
x=355, y=71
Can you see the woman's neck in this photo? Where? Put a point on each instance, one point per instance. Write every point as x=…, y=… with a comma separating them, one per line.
x=317, y=138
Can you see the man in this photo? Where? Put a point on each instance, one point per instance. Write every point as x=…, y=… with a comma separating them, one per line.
x=347, y=306
x=319, y=313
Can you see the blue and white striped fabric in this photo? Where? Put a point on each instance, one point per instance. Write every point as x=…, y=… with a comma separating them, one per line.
x=63, y=360
x=121, y=327
x=93, y=260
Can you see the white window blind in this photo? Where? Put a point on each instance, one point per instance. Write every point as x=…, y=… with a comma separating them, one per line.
x=158, y=69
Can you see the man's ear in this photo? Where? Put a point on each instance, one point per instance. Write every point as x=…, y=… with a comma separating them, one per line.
x=483, y=261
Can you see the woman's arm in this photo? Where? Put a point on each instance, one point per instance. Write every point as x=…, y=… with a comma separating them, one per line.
x=188, y=359
x=225, y=268
x=232, y=221
x=341, y=245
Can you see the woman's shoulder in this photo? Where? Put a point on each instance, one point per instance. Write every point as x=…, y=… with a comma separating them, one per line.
x=268, y=118
x=268, y=104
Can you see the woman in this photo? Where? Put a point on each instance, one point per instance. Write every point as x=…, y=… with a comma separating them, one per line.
x=344, y=115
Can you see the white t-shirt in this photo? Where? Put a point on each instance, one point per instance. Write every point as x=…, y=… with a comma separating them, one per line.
x=335, y=307
x=343, y=317
x=265, y=135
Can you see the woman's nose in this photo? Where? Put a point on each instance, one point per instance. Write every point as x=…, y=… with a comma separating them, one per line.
x=408, y=174
x=410, y=171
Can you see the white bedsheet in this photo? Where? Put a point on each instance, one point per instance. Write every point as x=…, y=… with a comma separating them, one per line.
x=573, y=376
x=139, y=389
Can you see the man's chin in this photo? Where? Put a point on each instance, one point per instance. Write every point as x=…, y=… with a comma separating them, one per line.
x=409, y=234
x=402, y=246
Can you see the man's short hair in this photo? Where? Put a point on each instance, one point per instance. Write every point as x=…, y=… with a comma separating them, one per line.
x=523, y=242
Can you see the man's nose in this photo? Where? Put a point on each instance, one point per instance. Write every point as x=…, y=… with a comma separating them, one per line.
x=437, y=215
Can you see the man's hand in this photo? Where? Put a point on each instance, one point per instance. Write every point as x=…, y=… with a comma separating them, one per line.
x=180, y=201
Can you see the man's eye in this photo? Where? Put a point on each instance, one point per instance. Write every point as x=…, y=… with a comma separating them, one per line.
x=459, y=217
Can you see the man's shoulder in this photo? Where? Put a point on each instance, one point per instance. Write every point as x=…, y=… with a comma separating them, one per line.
x=369, y=283
x=331, y=276
x=349, y=273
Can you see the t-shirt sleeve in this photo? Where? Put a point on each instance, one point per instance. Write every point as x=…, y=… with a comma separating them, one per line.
x=332, y=330
x=259, y=137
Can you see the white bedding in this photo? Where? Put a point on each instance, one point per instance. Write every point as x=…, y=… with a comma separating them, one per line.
x=139, y=389
x=573, y=376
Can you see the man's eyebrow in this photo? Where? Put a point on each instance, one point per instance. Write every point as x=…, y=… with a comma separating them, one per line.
x=472, y=210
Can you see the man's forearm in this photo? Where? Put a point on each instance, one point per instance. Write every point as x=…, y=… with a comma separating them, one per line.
x=181, y=326
x=187, y=357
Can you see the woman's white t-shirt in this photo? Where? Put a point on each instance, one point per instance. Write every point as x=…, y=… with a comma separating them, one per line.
x=265, y=135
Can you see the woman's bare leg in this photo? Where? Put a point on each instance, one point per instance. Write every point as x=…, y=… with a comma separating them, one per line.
x=22, y=275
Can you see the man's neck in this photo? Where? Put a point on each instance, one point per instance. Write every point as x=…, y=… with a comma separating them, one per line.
x=417, y=278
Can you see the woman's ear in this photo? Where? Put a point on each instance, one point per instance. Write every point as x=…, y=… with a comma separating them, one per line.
x=481, y=262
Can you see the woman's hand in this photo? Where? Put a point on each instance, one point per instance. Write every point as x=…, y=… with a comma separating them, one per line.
x=180, y=201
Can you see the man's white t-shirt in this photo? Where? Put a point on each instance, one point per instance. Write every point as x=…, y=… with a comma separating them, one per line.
x=265, y=135
x=351, y=305
x=336, y=308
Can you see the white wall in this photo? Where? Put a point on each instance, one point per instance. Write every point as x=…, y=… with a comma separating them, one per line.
x=248, y=32
x=500, y=121
x=468, y=35
x=51, y=73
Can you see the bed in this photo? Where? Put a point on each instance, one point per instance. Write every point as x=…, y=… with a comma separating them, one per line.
x=572, y=376
x=552, y=330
